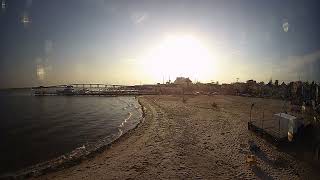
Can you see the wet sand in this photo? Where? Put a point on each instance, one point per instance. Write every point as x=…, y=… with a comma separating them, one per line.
x=191, y=140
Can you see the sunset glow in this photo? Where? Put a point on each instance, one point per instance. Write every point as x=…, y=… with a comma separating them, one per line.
x=180, y=55
x=135, y=42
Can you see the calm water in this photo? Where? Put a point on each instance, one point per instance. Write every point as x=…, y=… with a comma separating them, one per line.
x=37, y=129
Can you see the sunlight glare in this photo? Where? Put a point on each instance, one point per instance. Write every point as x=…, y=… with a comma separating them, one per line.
x=180, y=56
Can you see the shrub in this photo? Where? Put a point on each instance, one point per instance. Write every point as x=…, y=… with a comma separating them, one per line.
x=214, y=105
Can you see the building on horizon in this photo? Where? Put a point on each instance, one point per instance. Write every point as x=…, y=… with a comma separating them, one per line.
x=182, y=81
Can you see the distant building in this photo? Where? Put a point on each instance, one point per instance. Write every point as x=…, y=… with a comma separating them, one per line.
x=252, y=87
x=228, y=89
x=240, y=88
x=282, y=91
x=182, y=81
x=251, y=82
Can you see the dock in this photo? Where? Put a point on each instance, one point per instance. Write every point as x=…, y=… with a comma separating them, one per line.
x=92, y=90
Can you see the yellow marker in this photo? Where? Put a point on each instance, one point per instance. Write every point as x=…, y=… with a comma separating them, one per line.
x=290, y=136
x=251, y=160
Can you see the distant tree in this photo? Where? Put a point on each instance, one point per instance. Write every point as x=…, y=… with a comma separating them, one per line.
x=313, y=90
x=291, y=90
x=307, y=83
x=276, y=83
x=299, y=93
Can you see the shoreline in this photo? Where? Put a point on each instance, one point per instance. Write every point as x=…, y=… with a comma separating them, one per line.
x=67, y=160
x=190, y=139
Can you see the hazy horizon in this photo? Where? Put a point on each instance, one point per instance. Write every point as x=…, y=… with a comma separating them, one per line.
x=143, y=42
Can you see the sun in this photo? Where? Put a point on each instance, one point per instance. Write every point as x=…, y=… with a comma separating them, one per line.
x=182, y=55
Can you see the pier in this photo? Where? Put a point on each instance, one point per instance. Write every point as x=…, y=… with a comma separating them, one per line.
x=92, y=89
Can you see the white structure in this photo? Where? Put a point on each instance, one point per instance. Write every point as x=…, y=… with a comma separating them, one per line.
x=287, y=124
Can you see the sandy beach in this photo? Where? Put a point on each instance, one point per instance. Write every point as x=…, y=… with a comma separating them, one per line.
x=191, y=140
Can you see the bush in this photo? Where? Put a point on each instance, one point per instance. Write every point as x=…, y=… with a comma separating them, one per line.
x=214, y=105
x=184, y=100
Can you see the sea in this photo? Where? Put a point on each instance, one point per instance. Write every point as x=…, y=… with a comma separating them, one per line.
x=39, y=130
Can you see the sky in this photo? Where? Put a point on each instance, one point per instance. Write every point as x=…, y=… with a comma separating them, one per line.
x=46, y=42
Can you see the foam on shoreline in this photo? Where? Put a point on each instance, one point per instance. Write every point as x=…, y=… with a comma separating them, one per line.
x=76, y=156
